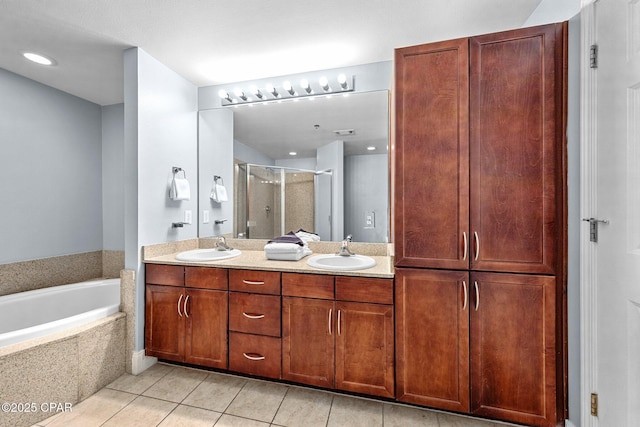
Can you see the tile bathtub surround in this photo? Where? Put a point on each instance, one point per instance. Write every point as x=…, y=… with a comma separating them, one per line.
x=112, y=263
x=47, y=272
x=64, y=367
x=154, y=398
x=128, y=306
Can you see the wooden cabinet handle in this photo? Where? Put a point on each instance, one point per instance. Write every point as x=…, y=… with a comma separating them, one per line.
x=186, y=300
x=466, y=245
x=475, y=285
x=251, y=282
x=251, y=357
x=464, y=287
x=252, y=316
x=179, y=301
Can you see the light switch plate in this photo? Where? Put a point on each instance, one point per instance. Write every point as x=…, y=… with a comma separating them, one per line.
x=205, y=216
x=188, y=217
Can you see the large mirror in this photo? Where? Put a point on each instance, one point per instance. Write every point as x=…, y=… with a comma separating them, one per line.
x=343, y=139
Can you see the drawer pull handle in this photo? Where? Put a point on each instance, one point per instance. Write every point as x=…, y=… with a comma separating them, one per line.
x=251, y=282
x=186, y=300
x=252, y=357
x=179, y=301
x=252, y=316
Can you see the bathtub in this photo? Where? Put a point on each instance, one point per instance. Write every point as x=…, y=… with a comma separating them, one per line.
x=37, y=313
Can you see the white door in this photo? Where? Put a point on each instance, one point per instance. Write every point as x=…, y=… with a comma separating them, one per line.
x=616, y=170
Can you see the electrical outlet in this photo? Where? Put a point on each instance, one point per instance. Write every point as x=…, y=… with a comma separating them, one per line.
x=370, y=220
x=205, y=216
x=188, y=217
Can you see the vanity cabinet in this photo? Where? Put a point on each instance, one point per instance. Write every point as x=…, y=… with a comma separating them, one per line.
x=186, y=313
x=338, y=332
x=480, y=224
x=254, y=322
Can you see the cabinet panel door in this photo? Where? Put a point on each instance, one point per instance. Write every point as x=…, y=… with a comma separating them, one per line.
x=164, y=322
x=513, y=347
x=431, y=176
x=206, y=326
x=516, y=149
x=364, y=348
x=308, y=342
x=432, y=338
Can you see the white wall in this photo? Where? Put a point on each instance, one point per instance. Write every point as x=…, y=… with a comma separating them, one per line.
x=50, y=168
x=160, y=132
x=550, y=11
x=215, y=157
x=113, y=177
x=331, y=156
x=366, y=189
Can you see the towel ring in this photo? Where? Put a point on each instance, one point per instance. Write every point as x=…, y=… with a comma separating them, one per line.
x=176, y=170
x=217, y=178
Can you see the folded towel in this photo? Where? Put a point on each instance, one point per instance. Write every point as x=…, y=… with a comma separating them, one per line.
x=218, y=193
x=180, y=189
x=286, y=251
x=307, y=236
x=290, y=237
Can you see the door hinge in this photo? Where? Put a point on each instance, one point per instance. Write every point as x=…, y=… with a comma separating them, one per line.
x=594, y=404
x=593, y=56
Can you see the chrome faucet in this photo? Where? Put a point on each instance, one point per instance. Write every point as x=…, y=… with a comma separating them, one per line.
x=344, y=247
x=221, y=244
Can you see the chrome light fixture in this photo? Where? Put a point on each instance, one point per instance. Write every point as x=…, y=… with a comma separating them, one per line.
x=306, y=89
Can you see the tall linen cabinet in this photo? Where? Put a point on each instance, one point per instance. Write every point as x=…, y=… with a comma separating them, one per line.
x=479, y=206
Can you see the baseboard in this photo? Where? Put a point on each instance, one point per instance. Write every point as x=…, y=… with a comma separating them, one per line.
x=140, y=362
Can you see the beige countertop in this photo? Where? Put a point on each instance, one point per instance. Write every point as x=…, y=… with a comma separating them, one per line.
x=252, y=259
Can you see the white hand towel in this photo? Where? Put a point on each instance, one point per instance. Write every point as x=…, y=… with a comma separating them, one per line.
x=218, y=193
x=180, y=189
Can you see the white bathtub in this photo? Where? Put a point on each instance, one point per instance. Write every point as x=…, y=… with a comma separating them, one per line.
x=33, y=314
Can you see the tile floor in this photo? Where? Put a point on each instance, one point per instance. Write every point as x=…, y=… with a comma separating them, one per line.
x=175, y=396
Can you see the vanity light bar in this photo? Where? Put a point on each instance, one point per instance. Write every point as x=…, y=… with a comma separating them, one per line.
x=305, y=89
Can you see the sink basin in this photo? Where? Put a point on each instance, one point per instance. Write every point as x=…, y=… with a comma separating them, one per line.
x=341, y=263
x=198, y=255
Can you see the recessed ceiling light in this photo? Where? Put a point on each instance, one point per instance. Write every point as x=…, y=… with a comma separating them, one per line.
x=39, y=59
x=292, y=153
x=371, y=148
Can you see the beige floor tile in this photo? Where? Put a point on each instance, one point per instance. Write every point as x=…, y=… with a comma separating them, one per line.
x=187, y=416
x=258, y=400
x=404, y=416
x=95, y=410
x=216, y=392
x=354, y=412
x=138, y=384
x=142, y=412
x=233, y=421
x=451, y=420
x=302, y=407
x=176, y=385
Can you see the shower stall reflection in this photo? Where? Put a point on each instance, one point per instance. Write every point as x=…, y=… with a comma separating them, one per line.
x=273, y=200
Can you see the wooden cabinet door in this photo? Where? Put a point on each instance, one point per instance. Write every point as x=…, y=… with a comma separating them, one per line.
x=431, y=166
x=308, y=342
x=164, y=322
x=432, y=338
x=205, y=313
x=364, y=348
x=517, y=139
x=513, y=363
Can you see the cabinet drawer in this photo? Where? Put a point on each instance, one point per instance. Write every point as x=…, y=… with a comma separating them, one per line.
x=254, y=354
x=206, y=278
x=160, y=274
x=254, y=313
x=259, y=282
x=364, y=289
x=307, y=285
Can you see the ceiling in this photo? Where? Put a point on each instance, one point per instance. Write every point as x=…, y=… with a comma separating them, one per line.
x=220, y=41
